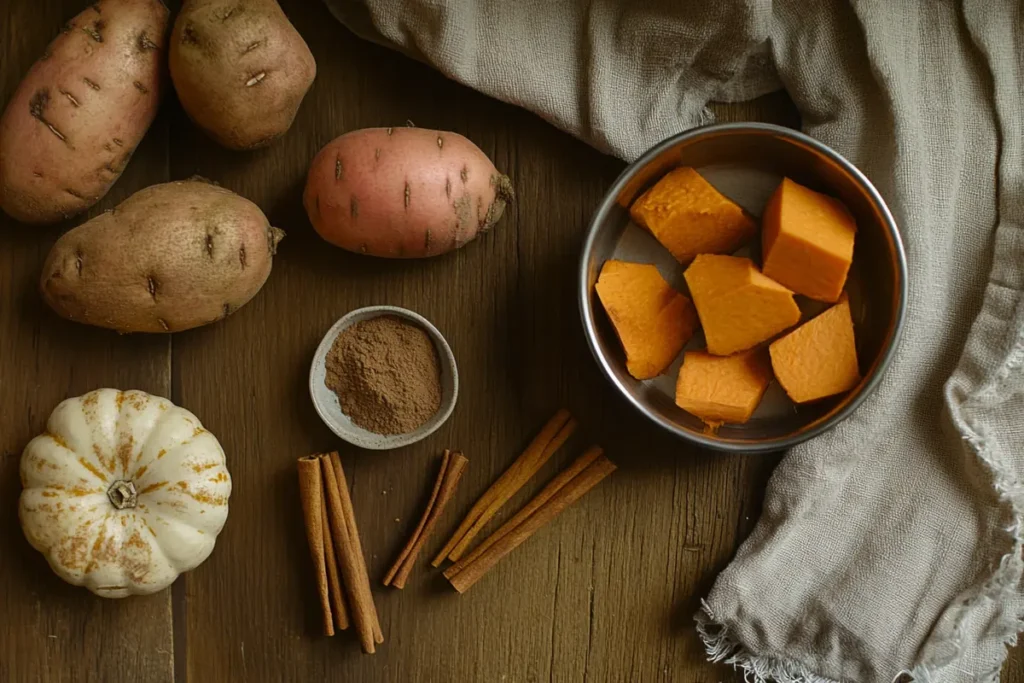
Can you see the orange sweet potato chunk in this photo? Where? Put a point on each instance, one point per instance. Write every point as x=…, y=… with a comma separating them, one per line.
x=653, y=321
x=689, y=216
x=819, y=358
x=807, y=241
x=738, y=306
x=721, y=389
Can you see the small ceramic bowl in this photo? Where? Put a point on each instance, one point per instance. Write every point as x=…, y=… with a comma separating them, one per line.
x=746, y=162
x=326, y=401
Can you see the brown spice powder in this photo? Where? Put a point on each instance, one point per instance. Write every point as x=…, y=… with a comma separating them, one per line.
x=386, y=374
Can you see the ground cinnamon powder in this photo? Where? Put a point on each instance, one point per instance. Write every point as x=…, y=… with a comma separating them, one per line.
x=386, y=374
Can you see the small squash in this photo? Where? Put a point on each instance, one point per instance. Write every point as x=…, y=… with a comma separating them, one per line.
x=123, y=492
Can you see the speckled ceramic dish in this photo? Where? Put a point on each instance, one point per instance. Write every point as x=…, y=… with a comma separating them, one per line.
x=326, y=401
x=746, y=161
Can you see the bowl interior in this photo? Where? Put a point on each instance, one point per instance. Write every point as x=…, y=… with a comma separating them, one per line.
x=326, y=401
x=745, y=163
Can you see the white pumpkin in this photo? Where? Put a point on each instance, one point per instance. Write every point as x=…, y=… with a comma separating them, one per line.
x=123, y=492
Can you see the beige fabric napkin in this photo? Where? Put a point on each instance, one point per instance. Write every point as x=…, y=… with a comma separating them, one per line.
x=893, y=543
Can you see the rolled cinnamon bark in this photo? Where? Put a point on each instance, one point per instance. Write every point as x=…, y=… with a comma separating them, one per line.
x=351, y=562
x=451, y=472
x=540, y=450
x=565, y=496
x=311, y=496
x=337, y=592
x=560, y=480
x=353, y=535
x=389, y=577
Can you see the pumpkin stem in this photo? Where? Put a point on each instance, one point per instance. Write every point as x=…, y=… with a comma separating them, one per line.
x=122, y=494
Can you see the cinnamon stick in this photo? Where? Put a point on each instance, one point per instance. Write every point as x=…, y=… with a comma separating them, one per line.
x=311, y=496
x=337, y=592
x=548, y=492
x=353, y=535
x=544, y=445
x=451, y=471
x=565, y=496
x=364, y=614
x=530, y=464
x=389, y=577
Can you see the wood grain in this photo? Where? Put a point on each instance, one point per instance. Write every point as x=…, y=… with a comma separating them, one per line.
x=606, y=593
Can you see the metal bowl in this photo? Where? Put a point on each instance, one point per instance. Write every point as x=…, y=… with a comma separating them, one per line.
x=329, y=408
x=746, y=161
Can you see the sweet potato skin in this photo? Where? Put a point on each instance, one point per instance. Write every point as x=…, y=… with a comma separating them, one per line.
x=240, y=69
x=403, y=192
x=78, y=115
x=170, y=257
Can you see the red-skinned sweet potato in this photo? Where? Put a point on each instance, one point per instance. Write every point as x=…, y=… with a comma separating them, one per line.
x=75, y=120
x=403, y=192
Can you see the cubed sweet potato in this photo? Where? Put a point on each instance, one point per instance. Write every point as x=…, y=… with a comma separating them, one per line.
x=721, y=389
x=689, y=216
x=807, y=241
x=653, y=320
x=738, y=306
x=819, y=358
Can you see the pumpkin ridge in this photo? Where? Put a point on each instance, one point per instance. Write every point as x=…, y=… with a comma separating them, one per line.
x=202, y=496
x=171, y=522
x=54, y=490
x=124, y=453
x=153, y=487
x=57, y=439
x=36, y=513
x=130, y=406
x=149, y=527
x=142, y=464
x=137, y=569
x=73, y=556
x=157, y=548
x=98, y=544
x=46, y=464
x=197, y=466
x=110, y=467
x=97, y=407
x=92, y=469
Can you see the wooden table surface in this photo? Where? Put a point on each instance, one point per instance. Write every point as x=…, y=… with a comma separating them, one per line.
x=605, y=593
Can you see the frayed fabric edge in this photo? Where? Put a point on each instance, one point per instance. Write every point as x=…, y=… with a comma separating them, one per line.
x=1005, y=578
x=722, y=648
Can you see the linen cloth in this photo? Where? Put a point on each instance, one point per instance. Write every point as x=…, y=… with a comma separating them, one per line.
x=893, y=543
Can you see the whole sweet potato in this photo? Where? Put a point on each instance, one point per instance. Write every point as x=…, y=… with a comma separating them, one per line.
x=170, y=257
x=75, y=120
x=240, y=69
x=403, y=192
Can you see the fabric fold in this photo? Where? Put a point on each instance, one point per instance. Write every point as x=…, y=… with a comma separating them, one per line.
x=620, y=75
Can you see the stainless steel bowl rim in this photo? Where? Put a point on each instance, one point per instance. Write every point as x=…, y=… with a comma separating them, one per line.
x=589, y=324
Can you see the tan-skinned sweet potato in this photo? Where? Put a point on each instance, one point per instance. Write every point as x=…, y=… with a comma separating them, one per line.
x=403, y=192
x=77, y=116
x=170, y=257
x=240, y=69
